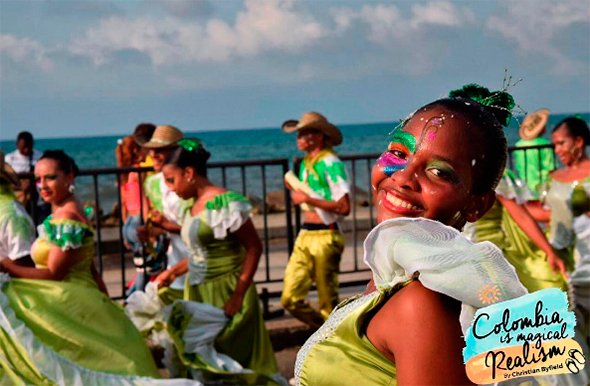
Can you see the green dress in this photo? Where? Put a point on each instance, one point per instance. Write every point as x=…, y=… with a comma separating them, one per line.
x=399, y=251
x=216, y=258
x=561, y=224
x=64, y=332
x=498, y=227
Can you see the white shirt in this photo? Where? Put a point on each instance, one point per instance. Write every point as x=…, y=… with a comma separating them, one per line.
x=174, y=212
x=17, y=232
x=21, y=163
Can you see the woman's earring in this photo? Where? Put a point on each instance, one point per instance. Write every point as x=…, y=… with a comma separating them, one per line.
x=71, y=188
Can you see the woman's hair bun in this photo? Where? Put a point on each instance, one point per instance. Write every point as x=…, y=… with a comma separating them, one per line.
x=499, y=103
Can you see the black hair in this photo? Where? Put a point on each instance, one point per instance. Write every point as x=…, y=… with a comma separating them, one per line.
x=143, y=132
x=196, y=158
x=65, y=163
x=494, y=146
x=576, y=127
x=25, y=136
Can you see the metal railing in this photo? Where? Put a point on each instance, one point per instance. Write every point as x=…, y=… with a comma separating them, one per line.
x=254, y=179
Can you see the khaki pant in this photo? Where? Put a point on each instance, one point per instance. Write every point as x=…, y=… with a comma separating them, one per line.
x=315, y=258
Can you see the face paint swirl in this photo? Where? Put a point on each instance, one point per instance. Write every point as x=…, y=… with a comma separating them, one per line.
x=401, y=147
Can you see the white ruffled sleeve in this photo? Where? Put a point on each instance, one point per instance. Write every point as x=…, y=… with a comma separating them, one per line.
x=227, y=212
x=474, y=273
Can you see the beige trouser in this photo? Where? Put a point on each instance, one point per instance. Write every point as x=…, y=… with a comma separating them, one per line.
x=315, y=258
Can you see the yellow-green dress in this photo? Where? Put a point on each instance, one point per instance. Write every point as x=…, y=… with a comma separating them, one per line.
x=561, y=225
x=67, y=332
x=498, y=227
x=216, y=258
x=399, y=251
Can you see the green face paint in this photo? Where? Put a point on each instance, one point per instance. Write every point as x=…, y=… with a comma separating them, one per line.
x=443, y=170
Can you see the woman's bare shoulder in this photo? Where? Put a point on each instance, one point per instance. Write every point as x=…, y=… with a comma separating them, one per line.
x=69, y=212
x=416, y=302
x=407, y=328
x=413, y=311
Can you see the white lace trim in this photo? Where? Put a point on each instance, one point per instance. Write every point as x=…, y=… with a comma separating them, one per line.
x=228, y=219
x=59, y=369
x=327, y=329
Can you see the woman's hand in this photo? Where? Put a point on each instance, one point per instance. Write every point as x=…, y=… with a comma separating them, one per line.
x=233, y=305
x=157, y=218
x=556, y=264
x=143, y=233
x=165, y=278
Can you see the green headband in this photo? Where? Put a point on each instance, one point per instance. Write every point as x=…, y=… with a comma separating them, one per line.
x=190, y=144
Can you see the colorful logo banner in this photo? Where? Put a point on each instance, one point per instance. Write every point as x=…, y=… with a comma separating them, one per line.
x=527, y=336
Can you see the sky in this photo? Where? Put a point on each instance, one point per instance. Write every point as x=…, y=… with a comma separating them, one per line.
x=92, y=68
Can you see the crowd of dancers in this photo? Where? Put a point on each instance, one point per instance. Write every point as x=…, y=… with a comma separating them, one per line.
x=196, y=250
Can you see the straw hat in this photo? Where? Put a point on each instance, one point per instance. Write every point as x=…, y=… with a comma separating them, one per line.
x=164, y=136
x=313, y=120
x=7, y=173
x=533, y=124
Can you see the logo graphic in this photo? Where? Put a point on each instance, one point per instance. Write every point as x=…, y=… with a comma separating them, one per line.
x=490, y=294
x=528, y=336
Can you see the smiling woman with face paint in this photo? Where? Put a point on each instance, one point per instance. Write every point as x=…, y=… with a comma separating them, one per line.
x=439, y=171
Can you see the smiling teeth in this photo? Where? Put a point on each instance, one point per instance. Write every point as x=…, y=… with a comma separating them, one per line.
x=400, y=203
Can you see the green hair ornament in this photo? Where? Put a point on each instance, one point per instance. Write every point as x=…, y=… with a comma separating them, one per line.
x=500, y=100
x=190, y=144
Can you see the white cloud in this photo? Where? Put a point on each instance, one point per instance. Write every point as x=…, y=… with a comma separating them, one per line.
x=533, y=25
x=262, y=26
x=402, y=34
x=25, y=51
x=441, y=13
x=386, y=22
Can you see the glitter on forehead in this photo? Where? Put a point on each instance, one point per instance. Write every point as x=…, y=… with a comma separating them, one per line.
x=430, y=130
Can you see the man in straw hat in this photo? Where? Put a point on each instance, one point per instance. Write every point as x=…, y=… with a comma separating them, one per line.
x=164, y=206
x=534, y=165
x=322, y=190
x=17, y=231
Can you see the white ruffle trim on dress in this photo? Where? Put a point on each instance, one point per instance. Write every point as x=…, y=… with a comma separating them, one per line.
x=59, y=369
x=205, y=323
x=228, y=218
x=446, y=261
x=515, y=189
x=147, y=312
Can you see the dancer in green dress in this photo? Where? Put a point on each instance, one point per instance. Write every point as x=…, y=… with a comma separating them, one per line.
x=570, y=138
x=512, y=229
x=57, y=324
x=224, y=250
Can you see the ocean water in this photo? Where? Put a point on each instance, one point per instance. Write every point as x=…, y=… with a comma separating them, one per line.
x=243, y=144
x=233, y=145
